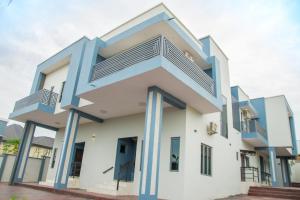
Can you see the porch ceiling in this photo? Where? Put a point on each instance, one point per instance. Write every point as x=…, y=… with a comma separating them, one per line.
x=55, y=120
x=128, y=96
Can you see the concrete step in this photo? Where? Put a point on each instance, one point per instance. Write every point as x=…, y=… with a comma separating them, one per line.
x=275, y=189
x=125, y=188
x=284, y=193
x=295, y=185
x=280, y=196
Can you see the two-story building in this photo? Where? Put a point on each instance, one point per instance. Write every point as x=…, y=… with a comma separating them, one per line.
x=147, y=110
x=268, y=138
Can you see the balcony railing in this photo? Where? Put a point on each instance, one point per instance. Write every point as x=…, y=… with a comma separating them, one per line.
x=150, y=49
x=254, y=126
x=249, y=174
x=43, y=96
x=266, y=178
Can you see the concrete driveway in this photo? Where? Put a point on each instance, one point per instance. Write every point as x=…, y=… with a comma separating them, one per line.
x=22, y=193
x=8, y=192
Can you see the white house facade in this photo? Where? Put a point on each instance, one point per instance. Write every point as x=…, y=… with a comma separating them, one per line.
x=147, y=110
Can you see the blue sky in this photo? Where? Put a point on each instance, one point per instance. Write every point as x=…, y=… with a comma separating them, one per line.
x=260, y=37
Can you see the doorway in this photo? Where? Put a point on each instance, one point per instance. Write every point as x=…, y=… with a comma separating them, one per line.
x=125, y=159
x=77, y=159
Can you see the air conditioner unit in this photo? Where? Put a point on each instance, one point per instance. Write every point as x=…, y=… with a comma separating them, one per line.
x=189, y=55
x=212, y=128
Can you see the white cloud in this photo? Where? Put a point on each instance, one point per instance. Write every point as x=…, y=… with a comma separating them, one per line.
x=260, y=38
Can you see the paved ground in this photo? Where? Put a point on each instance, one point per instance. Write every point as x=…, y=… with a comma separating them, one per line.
x=23, y=193
x=245, y=197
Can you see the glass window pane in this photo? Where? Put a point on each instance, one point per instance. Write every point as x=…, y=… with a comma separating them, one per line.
x=209, y=161
x=206, y=159
x=174, y=156
x=201, y=159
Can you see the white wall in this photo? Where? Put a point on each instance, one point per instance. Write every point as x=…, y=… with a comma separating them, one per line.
x=279, y=133
x=32, y=170
x=99, y=154
x=295, y=171
x=8, y=168
x=225, y=166
x=55, y=79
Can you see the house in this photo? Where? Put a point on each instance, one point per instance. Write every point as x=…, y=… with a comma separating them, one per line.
x=268, y=134
x=3, y=124
x=295, y=169
x=41, y=146
x=147, y=110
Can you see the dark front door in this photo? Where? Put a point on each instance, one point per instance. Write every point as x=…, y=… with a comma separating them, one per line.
x=77, y=159
x=262, y=168
x=125, y=159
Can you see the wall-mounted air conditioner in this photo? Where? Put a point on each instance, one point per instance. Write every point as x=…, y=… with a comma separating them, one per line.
x=189, y=55
x=212, y=128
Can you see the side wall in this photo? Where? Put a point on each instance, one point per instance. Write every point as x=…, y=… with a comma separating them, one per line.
x=225, y=165
x=279, y=133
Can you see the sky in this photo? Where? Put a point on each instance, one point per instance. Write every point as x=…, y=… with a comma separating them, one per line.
x=260, y=37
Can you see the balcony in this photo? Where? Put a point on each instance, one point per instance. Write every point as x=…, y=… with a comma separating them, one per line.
x=118, y=84
x=253, y=133
x=37, y=105
x=150, y=49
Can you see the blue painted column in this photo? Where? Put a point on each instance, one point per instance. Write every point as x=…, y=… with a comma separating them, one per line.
x=293, y=135
x=285, y=171
x=64, y=165
x=272, y=163
x=23, y=153
x=151, y=152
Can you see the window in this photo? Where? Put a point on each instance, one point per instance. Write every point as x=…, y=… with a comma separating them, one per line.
x=224, y=124
x=62, y=90
x=142, y=151
x=53, y=158
x=247, y=161
x=206, y=165
x=174, y=155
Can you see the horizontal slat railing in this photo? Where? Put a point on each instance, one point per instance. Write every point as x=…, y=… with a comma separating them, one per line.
x=177, y=57
x=127, y=58
x=147, y=50
x=43, y=96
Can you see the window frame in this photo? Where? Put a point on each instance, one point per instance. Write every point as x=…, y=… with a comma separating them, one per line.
x=171, y=153
x=206, y=163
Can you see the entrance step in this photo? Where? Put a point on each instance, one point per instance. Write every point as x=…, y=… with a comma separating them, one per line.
x=284, y=193
x=110, y=188
x=73, y=182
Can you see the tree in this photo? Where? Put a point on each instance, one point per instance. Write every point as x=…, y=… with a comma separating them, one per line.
x=11, y=146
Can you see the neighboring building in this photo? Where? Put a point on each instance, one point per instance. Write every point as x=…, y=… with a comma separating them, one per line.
x=3, y=124
x=295, y=168
x=41, y=146
x=267, y=125
x=151, y=105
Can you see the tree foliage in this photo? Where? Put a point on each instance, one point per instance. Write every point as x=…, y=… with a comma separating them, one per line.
x=11, y=146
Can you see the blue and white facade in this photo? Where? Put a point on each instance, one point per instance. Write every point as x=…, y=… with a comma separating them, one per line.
x=149, y=105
